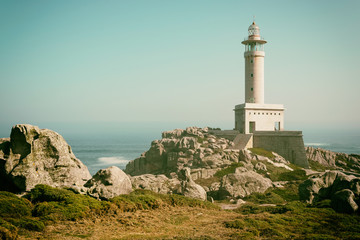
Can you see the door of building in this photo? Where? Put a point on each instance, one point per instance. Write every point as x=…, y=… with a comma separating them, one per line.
x=251, y=127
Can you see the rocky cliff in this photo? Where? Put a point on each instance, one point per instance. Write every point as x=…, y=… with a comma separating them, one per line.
x=212, y=162
x=335, y=160
x=194, y=148
x=34, y=156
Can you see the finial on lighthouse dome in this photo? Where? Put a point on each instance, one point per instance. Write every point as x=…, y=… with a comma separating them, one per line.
x=254, y=30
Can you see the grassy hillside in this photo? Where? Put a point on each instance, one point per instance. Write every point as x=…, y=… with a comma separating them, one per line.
x=49, y=213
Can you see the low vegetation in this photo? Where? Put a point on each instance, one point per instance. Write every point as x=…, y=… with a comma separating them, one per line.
x=316, y=166
x=275, y=214
x=50, y=213
x=227, y=170
x=262, y=152
x=288, y=193
x=294, y=220
x=47, y=205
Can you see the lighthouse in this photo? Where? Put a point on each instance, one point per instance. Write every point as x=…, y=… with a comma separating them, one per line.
x=254, y=66
x=254, y=114
x=259, y=124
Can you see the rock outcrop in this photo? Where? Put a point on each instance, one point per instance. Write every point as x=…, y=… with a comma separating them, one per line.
x=194, y=156
x=189, y=188
x=194, y=148
x=340, y=161
x=156, y=183
x=342, y=189
x=344, y=201
x=243, y=183
x=108, y=183
x=40, y=156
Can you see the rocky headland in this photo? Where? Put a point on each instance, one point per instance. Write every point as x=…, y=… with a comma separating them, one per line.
x=33, y=156
x=192, y=163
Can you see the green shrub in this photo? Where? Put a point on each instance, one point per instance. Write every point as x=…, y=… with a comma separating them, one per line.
x=323, y=204
x=60, y=211
x=256, y=227
x=28, y=223
x=45, y=193
x=144, y=199
x=228, y=170
x=298, y=174
x=290, y=191
x=200, y=139
x=238, y=224
x=317, y=166
x=262, y=152
x=7, y=230
x=16, y=213
x=250, y=208
x=296, y=220
x=130, y=203
x=60, y=204
x=178, y=201
x=12, y=206
x=265, y=198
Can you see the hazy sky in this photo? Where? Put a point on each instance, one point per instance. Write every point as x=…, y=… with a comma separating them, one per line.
x=75, y=62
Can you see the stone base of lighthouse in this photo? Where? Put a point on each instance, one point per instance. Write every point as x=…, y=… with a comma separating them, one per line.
x=289, y=144
x=251, y=117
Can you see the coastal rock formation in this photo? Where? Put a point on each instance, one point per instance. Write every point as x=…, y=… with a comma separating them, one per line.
x=108, y=183
x=341, y=161
x=40, y=156
x=331, y=185
x=193, y=148
x=194, y=156
x=322, y=156
x=243, y=183
x=189, y=188
x=344, y=201
x=156, y=183
x=4, y=148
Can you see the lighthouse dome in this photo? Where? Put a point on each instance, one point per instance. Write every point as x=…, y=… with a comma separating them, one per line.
x=254, y=30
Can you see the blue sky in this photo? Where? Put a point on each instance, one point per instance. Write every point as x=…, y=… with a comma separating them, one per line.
x=175, y=63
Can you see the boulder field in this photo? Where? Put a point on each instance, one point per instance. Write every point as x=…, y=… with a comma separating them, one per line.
x=343, y=190
x=211, y=165
x=34, y=156
x=190, y=162
x=178, y=163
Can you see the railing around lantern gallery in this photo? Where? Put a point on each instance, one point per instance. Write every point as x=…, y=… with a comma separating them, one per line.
x=261, y=38
x=254, y=47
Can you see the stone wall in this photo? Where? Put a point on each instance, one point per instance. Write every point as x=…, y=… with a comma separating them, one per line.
x=227, y=134
x=288, y=144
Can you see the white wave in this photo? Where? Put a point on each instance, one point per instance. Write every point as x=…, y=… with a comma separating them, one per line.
x=316, y=144
x=112, y=161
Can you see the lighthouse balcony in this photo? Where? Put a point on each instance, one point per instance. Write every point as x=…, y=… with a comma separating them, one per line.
x=254, y=54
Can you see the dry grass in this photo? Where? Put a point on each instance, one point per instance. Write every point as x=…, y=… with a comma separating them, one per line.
x=169, y=223
x=292, y=221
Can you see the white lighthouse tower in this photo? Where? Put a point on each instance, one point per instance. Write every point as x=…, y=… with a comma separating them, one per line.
x=254, y=114
x=254, y=66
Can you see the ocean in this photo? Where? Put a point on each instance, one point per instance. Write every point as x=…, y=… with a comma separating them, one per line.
x=102, y=151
